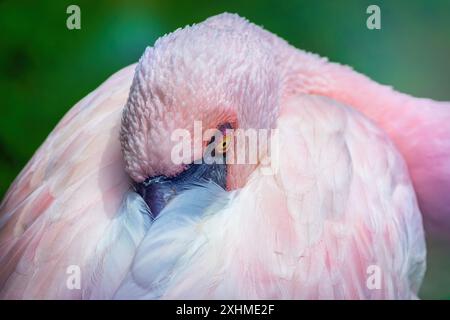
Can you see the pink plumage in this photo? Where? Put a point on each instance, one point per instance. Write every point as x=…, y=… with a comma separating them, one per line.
x=354, y=156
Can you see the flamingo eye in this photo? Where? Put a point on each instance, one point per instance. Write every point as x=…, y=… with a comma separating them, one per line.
x=223, y=145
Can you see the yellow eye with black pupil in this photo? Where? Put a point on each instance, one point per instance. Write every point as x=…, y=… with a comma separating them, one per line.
x=223, y=145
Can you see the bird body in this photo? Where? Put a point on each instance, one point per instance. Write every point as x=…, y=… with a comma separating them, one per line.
x=339, y=210
x=311, y=231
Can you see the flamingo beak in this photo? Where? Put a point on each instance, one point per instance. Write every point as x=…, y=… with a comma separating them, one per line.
x=158, y=191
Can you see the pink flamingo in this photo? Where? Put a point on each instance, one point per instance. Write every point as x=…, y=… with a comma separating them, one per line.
x=340, y=209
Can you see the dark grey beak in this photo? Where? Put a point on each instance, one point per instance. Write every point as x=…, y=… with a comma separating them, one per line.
x=158, y=191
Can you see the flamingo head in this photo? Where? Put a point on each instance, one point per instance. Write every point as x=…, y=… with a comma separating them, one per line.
x=217, y=75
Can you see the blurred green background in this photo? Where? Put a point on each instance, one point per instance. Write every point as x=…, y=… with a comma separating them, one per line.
x=46, y=68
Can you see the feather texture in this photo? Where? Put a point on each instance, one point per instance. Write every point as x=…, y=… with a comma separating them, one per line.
x=340, y=202
x=311, y=231
x=65, y=199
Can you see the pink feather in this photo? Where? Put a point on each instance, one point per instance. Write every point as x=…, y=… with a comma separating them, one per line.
x=341, y=201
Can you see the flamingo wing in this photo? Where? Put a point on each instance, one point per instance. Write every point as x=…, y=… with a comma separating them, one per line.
x=417, y=126
x=64, y=208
